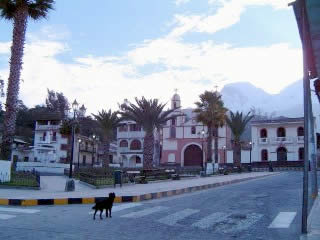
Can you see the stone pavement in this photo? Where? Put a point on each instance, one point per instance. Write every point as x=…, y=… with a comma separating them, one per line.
x=53, y=187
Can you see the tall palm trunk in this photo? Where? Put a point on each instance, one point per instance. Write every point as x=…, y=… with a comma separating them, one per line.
x=209, y=145
x=148, y=148
x=157, y=149
x=237, y=153
x=19, y=32
x=106, y=154
x=216, y=139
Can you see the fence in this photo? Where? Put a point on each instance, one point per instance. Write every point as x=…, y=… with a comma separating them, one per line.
x=24, y=179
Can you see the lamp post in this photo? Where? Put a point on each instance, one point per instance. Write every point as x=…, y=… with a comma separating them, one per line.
x=201, y=135
x=224, y=154
x=94, y=138
x=75, y=106
x=250, y=151
x=79, y=142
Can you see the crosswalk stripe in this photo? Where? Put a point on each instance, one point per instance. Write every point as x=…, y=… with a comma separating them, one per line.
x=174, y=218
x=122, y=207
x=144, y=212
x=5, y=216
x=211, y=220
x=18, y=210
x=283, y=220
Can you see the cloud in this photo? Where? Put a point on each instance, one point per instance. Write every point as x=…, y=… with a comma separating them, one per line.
x=179, y=2
x=5, y=47
x=228, y=13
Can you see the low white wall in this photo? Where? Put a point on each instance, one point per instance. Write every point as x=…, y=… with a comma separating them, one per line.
x=5, y=171
x=229, y=156
x=42, y=167
x=245, y=156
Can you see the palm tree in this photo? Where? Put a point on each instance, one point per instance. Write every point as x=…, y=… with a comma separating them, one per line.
x=237, y=123
x=150, y=115
x=18, y=11
x=108, y=122
x=211, y=112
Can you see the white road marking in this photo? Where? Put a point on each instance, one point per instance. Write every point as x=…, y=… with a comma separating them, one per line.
x=283, y=220
x=18, y=210
x=211, y=220
x=174, y=218
x=122, y=207
x=144, y=212
x=5, y=216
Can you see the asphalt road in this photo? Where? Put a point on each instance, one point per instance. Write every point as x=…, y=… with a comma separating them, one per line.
x=263, y=209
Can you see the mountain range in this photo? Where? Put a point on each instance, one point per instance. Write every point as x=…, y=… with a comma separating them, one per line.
x=243, y=96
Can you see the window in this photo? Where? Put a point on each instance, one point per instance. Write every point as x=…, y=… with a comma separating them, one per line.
x=281, y=132
x=134, y=128
x=123, y=143
x=44, y=136
x=172, y=132
x=264, y=155
x=26, y=159
x=123, y=128
x=300, y=131
x=193, y=130
x=138, y=160
x=54, y=136
x=111, y=158
x=84, y=159
x=174, y=105
x=263, y=133
x=135, y=145
x=173, y=122
x=301, y=153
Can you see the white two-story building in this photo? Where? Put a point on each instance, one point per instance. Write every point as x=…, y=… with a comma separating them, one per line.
x=278, y=140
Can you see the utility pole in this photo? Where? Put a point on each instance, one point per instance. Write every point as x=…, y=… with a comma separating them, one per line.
x=306, y=96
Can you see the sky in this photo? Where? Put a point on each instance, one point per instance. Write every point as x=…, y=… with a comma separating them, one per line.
x=103, y=53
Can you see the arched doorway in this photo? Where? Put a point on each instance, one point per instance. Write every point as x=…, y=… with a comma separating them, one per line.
x=193, y=156
x=282, y=154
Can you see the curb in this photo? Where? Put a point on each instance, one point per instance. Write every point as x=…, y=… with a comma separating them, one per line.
x=120, y=199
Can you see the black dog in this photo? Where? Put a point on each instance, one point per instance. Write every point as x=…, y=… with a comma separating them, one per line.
x=105, y=204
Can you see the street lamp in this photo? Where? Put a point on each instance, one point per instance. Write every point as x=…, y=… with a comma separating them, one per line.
x=79, y=142
x=224, y=154
x=75, y=106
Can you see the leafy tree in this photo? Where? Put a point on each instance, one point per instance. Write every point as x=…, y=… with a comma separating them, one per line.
x=150, y=115
x=108, y=122
x=211, y=112
x=237, y=123
x=17, y=11
x=57, y=102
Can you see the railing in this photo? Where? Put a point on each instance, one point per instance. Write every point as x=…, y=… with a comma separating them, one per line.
x=300, y=139
x=123, y=149
x=263, y=140
x=47, y=127
x=87, y=148
x=282, y=140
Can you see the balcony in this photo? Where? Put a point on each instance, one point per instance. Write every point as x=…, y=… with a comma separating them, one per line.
x=47, y=127
x=300, y=139
x=123, y=149
x=87, y=148
x=278, y=140
x=263, y=140
x=131, y=134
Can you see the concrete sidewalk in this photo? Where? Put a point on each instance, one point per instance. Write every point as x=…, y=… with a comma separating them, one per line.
x=313, y=222
x=52, y=187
